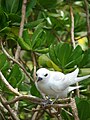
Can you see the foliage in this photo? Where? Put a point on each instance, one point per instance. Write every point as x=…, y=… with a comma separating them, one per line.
x=46, y=35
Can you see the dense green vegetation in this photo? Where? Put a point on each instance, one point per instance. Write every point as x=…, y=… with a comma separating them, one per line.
x=42, y=33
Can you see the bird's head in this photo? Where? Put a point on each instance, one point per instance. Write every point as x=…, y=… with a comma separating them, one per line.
x=42, y=74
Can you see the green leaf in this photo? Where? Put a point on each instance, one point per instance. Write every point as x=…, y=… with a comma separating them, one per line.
x=53, y=55
x=14, y=18
x=45, y=61
x=6, y=66
x=15, y=77
x=30, y=5
x=64, y=54
x=83, y=109
x=33, y=24
x=77, y=52
x=12, y=5
x=2, y=60
x=34, y=91
x=86, y=59
x=3, y=20
x=48, y=3
x=36, y=35
x=43, y=50
x=26, y=37
x=50, y=38
x=23, y=44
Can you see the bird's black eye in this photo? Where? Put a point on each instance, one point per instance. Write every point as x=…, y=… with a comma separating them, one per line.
x=36, y=74
x=46, y=75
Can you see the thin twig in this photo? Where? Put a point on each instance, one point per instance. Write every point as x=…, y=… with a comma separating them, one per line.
x=8, y=85
x=2, y=116
x=40, y=114
x=72, y=27
x=34, y=63
x=27, y=97
x=58, y=38
x=76, y=39
x=63, y=100
x=17, y=54
x=72, y=38
x=74, y=109
x=34, y=116
x=87, y=19
x=11, y=112
x=2, y=108
x=67, y=112
x=14, y=60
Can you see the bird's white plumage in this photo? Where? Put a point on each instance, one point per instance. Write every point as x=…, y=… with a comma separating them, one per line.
x=57, y=84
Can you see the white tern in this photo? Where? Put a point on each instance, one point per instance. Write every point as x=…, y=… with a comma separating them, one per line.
x=56, y=84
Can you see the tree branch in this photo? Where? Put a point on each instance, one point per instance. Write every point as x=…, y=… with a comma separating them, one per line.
x=87, y=19
x=76, y=39
x=14, y=60
x=17, y=54
x=72, y=26
x=34, y=63
x=8, y=85
x=72, y=39
x=11, y=112
x=74, y=109
x=26, y=97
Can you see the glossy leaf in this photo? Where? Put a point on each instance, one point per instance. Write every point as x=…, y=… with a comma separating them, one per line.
x=65, y=56
x=23, y=44
x=83, y=110
x=34, y=91
x=34, y=23
x=12, y=5
x=53, y=55
x=65, y=52
x=15, y=79
x=26, y=37
x=30, y=5
x=35, y=38
x=44, y=61
x=2, y=60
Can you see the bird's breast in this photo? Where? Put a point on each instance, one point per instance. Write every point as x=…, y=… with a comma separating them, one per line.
x=46, y=89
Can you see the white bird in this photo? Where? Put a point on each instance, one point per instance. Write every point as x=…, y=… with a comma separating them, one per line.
x=56, y=84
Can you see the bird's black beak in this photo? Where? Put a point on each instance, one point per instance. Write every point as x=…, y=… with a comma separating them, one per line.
x=39, y=79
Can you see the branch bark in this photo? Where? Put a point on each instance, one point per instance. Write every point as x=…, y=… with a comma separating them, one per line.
x=14, y=60
x=72, y=39
x=34, y=63
x=11, y=112
x=8, y=85
x=72, y=27
x=17, y=54
x=74, y=109
x=87, y=19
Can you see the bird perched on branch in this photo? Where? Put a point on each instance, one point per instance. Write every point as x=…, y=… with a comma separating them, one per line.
x=56, y=84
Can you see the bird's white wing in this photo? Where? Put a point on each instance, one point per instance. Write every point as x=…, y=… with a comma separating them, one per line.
x=57, y=76
x=57, y=81
x=60, y=81
x=70, y=78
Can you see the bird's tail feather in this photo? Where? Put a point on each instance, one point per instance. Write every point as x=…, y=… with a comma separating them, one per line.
x=78, y=79
x=70, y=77
x=73, y=88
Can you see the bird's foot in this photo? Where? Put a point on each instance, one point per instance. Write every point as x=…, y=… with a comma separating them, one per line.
x=46, y=102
